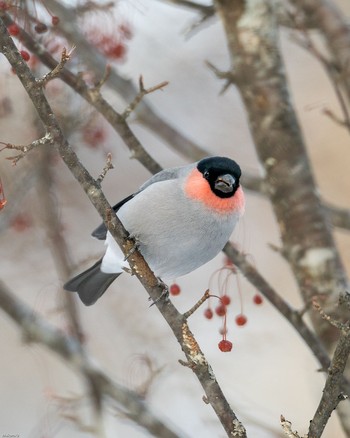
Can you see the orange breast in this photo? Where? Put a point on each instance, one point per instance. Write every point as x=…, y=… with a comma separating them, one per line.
x=197, y=188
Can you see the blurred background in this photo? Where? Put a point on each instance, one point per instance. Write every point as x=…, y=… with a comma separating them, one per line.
x=270, y=371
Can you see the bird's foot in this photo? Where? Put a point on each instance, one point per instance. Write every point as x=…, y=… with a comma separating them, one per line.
x=135, y=246
x=163, y=296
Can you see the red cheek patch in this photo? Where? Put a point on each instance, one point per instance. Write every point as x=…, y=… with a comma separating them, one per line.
x=198, y=189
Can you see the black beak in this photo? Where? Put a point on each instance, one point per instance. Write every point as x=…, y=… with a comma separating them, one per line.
x=225, y=183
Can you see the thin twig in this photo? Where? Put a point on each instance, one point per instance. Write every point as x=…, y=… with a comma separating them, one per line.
x=137, y=263
x=332, y=70
x=108, y=166
x=197, y=305
x=229, y=76
x=335, y=323
x=65, y=57
x=287, y=429
x=104, y=78
x=141, y=94
x=44, y=141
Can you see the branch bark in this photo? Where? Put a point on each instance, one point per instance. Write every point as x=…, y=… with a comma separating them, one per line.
x=332, y=394
x=308, y=244
x=332, y=23
x=177, y=322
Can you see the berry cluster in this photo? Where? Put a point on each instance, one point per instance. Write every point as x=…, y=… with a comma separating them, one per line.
x=112, y=43
x=224, y=301
x=28, y=21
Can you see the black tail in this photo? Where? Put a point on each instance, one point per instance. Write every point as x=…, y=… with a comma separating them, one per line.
x=91, y=284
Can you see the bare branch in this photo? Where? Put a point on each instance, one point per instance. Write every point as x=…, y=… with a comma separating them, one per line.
x=292, y=316
x=44, y=141
x=327, y=17
x=197, y=305
x=137, y=263
x=143, y=92
x=332, y=394
x=107, y=167
x=65, y=57
x=287, y=429
x=36, y=329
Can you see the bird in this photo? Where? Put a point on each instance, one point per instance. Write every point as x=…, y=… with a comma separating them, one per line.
x=180, y=218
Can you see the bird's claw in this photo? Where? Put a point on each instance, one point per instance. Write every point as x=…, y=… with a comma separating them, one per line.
x=164, y=295
x=132, y=249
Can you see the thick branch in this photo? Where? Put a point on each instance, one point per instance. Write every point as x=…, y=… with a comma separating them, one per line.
x=332, y=394
x=146, y=115
x=176, y=321
x=308, y=244
x=334, y=27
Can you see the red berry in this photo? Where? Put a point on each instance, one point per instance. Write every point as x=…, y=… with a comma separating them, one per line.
x=4, y=6
x=94, y=135
x=257, y=299
x=228, y=261
x=55, y=20
x=175, y=289
x=225, y=300
x=225, y=345
x=40, y=28
x=241, y=319
x=21, y=223
x=220, y=310
x=25, y=55
x=13, y=29
x=117, y=51
x=208, y=313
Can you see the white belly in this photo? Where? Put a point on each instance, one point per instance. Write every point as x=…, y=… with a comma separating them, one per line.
x=176, y=235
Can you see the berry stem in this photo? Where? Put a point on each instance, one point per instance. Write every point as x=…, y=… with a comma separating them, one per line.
x=198, y=304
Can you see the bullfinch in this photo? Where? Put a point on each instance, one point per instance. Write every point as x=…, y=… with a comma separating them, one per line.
x=180, y=218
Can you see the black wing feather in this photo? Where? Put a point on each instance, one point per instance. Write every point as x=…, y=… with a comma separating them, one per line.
x=101, y=231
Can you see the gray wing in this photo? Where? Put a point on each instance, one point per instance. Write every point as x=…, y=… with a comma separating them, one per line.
x=164, y=175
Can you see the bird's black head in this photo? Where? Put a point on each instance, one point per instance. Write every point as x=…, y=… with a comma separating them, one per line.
x=222, y=175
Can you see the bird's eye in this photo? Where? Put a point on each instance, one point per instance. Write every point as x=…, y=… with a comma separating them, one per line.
x=206, y=174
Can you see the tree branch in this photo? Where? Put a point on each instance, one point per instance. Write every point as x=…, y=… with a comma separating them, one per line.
x=36, y=329
x=252, y=36
x=155, y=289
x=332, y=394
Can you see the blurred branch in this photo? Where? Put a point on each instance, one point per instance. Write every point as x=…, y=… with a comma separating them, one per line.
x=334, y=28
x=252, y=35
x=18, y=191
x=36, y=329
x=145, y=113
x=139, y=267
x=332, y=70
x=253, y=183
x=93, y=97
x=294, y=317
x=332, y=394
x=57, y=243
x=339, y=216
x=194, y=6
